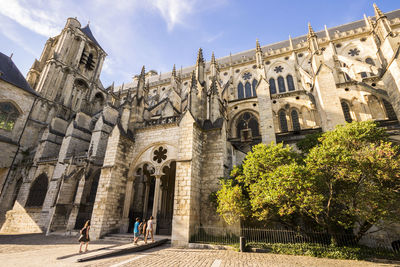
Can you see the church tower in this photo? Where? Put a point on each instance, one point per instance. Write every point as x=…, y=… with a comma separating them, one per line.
x=69, y=68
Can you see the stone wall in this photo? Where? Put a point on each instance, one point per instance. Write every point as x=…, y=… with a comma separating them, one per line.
x=187, y=182
x=110, y=196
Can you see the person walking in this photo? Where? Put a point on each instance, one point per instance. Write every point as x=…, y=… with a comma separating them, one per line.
x=136, y=231
x=84, y=237
x=149, y=230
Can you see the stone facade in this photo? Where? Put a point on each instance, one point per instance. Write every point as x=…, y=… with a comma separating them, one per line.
x=156, y=146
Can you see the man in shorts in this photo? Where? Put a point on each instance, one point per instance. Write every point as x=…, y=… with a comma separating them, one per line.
x=136, y=231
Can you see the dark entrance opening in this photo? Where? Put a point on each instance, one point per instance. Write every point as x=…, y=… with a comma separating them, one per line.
x=143, y=200
x=87, y=200
x=164, y=216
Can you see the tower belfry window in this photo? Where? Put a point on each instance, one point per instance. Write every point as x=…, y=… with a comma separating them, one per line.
x=87, y=59
x=90, y=62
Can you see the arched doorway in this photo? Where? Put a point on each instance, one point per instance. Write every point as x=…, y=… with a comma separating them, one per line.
x=166, y=208
x=37, y=192
x=143, y=195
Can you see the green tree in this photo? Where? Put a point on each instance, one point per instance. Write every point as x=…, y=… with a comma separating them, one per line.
x=356, y=171
x=351, y=178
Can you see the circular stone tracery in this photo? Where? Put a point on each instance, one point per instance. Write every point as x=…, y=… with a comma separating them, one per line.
x=160, y=154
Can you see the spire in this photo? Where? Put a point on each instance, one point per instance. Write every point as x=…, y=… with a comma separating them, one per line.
x=378, y=13
x=200, y=58
x=174, y=71
x=213, y=58
x=258, y=47
x=311, y=32
x=367, y=22
x=327, y=33
x=291, y=42
x=143, y=72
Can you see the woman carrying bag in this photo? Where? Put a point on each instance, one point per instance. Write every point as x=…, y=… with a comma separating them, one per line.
x=84, y=237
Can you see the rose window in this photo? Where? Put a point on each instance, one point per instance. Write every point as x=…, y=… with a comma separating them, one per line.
x=160, y=154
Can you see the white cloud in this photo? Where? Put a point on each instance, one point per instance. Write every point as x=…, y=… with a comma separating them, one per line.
x=174, y=11
x=116, y=25
x=34, y=19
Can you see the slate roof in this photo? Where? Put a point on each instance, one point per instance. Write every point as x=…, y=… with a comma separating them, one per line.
x=11, y=74
x=86, y=30
x=282, y=44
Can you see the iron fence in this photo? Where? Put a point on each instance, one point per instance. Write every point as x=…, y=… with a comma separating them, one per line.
x=231, y=236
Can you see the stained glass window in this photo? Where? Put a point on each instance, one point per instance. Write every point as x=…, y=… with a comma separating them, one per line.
x=295, y=120
x=354, y=52
x=240, y=91
x=247, y=121
x=278, y=69
x=283, y=121
x=247, y=76
x=8, y=115
x=290, y=82
x=281, y=84
x=272, y=86
x=247, y=88
x=370, y=61
x=254, y=85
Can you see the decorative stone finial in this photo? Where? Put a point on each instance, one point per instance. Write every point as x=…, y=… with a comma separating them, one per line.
x=327, y=33
x=174, y=71
x=291, y=42
x=258, y=47
x=311, y=32
x=213, y=58
x=378, y=13
x=200, y=58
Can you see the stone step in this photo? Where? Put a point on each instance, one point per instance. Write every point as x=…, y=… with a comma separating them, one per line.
x=122, y=250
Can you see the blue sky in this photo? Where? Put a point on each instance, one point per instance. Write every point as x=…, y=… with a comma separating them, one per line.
x=160, y=33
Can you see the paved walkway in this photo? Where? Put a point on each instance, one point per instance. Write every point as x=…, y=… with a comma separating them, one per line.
x=39, y=250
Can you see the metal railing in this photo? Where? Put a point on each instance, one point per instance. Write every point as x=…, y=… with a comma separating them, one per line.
x=226, y=236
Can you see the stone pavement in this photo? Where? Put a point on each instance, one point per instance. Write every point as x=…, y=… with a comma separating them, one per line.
x=40, y=250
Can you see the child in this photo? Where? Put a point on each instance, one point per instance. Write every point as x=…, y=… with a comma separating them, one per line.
x=136, y=232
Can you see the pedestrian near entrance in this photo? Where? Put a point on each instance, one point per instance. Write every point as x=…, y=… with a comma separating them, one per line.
x=136, y=232
x=150, y=230
x=84, y=237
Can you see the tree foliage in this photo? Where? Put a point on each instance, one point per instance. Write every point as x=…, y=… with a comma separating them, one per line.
x=350, y=178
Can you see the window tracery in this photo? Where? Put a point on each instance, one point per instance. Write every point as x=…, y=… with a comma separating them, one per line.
x=295, y=120
x=8, y=115
x=247, y=126
x=283, y=121
x=290, y=83
x=281, y=84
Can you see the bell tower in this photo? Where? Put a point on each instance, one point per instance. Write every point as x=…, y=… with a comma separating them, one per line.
x=69, y=68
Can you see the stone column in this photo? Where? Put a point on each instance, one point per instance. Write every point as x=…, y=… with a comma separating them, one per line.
x=127, y=205
x=146, y=199
x=156, y=200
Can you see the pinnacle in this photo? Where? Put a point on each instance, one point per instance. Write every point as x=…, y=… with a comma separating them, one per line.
x=142, y=73
x=378, y=12
x=311, y=32
x=213, y=58
x=200, y=56
x=174, y=71
x=258, y=47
